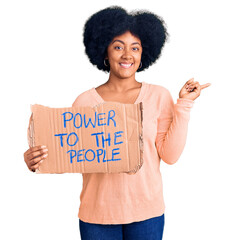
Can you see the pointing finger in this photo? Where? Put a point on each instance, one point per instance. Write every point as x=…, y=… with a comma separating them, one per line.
x=205, y=85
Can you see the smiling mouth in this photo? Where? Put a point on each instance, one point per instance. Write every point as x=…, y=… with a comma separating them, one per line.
x=126, y=65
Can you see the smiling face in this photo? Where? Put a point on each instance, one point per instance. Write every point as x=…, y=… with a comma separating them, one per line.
x=124, y=55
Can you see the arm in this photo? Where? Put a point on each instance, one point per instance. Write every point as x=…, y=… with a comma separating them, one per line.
x=30, y=131
x=172, y=128
x=35, y=155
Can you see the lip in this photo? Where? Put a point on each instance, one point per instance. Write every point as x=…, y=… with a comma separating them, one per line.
x=126, y=65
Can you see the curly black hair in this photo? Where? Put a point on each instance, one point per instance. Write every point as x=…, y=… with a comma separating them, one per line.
x=103, y=26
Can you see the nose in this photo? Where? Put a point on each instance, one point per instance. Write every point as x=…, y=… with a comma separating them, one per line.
x=126, y=54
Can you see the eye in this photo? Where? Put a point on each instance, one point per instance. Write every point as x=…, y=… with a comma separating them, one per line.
x=117, y=47
x=135, y=49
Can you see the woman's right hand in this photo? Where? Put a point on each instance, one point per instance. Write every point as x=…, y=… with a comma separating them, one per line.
x=34, y=156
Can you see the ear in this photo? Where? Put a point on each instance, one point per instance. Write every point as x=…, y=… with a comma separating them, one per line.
x=106, y=55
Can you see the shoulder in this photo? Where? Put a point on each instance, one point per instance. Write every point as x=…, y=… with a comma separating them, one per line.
x=159, y=91
x=83, y=99
x=158, y=88
x=162, y=100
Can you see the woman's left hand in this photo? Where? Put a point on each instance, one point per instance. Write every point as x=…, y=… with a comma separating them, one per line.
x=191, y=90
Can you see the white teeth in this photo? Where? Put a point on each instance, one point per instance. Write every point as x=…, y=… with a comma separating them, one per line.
x=126, y=65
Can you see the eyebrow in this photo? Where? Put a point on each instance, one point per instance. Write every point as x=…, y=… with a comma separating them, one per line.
x=124, y=43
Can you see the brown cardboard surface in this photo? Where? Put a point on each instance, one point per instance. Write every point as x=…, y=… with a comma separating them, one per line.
x=106, y=138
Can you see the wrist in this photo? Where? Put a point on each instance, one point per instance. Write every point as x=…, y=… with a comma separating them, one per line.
x=185, y=101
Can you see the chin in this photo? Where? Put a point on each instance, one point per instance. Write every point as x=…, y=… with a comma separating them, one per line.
x=127, y=75
x=124, y=74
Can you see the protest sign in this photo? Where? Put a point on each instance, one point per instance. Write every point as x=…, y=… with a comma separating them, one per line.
x=106, y=138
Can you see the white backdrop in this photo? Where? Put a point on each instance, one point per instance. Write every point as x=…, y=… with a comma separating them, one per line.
x=42, y=61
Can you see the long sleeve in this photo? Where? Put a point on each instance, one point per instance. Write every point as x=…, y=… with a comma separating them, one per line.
x=138, y=196
x=172, y=127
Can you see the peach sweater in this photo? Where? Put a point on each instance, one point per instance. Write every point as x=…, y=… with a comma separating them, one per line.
x=119, y=198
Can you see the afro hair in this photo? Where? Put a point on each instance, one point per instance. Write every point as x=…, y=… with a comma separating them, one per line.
x=103, y=26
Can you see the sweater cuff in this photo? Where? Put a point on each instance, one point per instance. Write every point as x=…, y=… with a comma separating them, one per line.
x=185, y=102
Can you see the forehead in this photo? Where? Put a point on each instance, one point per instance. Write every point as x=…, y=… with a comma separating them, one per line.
x=127, y=37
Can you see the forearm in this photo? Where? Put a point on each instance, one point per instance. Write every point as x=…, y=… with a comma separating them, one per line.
x=170, y=144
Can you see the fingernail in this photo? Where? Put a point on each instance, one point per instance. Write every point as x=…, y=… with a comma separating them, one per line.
x=41, y=161
x=43, y=146
x=45, y=155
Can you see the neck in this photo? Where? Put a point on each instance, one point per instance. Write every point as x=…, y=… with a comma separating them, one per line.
x=121, y=84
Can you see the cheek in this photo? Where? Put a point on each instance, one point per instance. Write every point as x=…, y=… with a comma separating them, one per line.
x=138, y=56
x=138, y=60
x=113, y=62
x=114, y=57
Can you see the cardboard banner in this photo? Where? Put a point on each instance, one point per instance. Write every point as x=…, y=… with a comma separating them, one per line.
x=106, y=138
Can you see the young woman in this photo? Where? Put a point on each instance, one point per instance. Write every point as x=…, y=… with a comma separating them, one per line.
x=124, y=206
